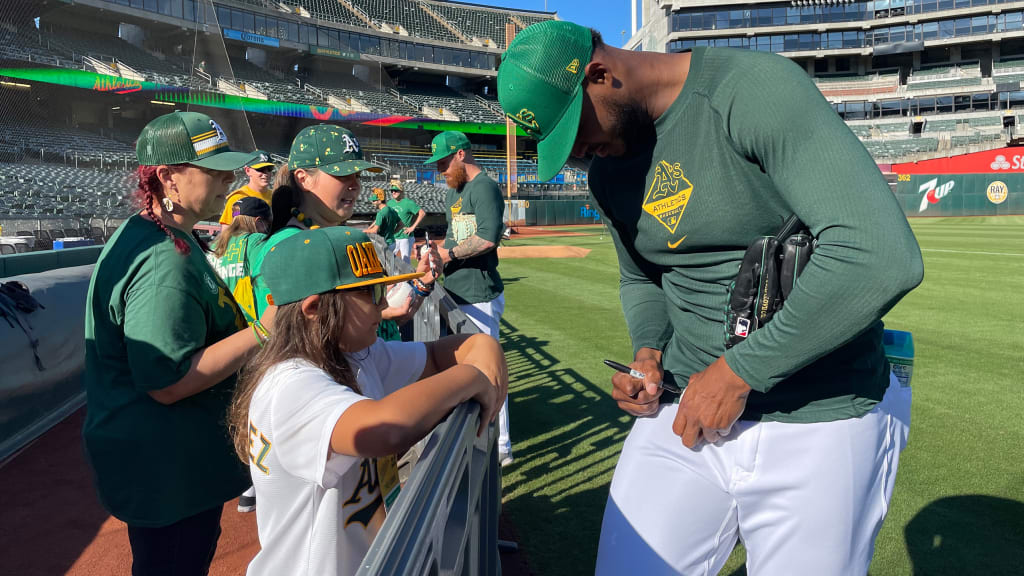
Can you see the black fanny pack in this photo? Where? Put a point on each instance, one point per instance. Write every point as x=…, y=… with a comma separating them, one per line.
x=766, y=277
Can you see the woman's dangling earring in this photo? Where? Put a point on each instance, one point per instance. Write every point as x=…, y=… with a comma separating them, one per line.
x=167, y=204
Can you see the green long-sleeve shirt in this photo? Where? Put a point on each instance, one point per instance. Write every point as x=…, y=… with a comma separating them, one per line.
x=748, y=142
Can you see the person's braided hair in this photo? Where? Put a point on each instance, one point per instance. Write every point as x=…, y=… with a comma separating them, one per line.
x=149, y=191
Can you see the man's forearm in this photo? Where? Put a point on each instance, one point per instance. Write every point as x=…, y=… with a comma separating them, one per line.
x=472, y=246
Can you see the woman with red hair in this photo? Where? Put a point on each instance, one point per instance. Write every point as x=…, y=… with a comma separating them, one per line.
x=164, y=339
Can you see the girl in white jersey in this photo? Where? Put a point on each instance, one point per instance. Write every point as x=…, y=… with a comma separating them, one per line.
x=320, y=413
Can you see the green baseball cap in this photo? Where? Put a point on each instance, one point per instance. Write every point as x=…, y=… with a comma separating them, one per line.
x=331, y=149
x=540, y=87
x=187, y=138
x=446, y=144
x=262, y=160
x=323, y=260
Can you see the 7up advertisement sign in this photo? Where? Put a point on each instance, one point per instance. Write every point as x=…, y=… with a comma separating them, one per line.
x=931, y=192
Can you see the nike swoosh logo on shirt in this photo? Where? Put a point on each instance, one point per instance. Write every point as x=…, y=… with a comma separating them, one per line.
x=678, y=242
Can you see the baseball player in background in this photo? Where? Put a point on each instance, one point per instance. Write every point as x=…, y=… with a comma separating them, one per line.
x=789, y=440
x=411, y=214
x=473, y=209
x=387, y=222
x=261, y=174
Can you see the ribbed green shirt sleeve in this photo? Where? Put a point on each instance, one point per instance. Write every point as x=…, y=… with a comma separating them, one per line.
x=867, y=257
x=643, y=301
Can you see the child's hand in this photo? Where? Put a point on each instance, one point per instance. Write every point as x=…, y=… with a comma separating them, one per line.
x=429, y=263
x=490, y=405
x=489, y=358
x=398, y=313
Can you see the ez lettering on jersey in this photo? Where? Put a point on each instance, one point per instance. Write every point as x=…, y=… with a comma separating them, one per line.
x=258, y=459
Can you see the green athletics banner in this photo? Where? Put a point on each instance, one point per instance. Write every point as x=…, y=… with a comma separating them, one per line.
x=183, y=95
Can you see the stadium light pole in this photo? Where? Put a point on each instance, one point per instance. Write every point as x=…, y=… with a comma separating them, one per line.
x=510, y=137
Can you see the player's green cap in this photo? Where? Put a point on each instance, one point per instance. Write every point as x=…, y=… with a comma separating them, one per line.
x=540, y=87
x=187, y=138
x=446, y=144
x=331, y=149
x=262, y=160
x=323, y=260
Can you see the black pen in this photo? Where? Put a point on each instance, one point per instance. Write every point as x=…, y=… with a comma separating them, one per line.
x=639, y=375
x=625, y=369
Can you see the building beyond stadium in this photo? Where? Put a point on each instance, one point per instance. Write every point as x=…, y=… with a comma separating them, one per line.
x=915, y=80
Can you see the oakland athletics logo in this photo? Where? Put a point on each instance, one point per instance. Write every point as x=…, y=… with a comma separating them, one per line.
x=667, y=197
x=527, y=121
x=351, y=144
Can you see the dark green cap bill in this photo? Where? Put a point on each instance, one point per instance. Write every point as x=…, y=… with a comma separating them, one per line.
x=447, y=143
x=540, y=87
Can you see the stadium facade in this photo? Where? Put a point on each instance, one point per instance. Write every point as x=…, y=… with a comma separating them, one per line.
x=956, y=64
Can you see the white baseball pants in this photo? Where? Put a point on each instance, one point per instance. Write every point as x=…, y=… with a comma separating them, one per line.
x=487, y=317
x=403, y=248
x=803, y=498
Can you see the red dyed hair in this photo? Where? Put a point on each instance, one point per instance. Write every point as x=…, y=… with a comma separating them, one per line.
x=149, y=191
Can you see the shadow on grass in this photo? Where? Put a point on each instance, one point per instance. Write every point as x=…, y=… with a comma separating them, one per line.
x=567, y=434
x=967, y=535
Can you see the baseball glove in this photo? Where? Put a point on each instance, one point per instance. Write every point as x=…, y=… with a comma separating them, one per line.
x=765, y=279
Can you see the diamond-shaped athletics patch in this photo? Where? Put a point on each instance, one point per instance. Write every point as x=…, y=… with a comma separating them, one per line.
x=667, y=197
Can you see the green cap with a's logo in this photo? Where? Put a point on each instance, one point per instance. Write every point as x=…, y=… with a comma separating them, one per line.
x=323, y=260
x=262, y=160
x=331, y=149
x=187, y=138
x=446, y=144
x=540, y=87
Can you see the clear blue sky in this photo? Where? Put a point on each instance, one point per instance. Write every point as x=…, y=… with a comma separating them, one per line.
x=610, y=17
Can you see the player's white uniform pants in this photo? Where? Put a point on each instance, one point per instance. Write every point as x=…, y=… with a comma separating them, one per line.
x=805, y=499
x=487, y=317
x=403, y=248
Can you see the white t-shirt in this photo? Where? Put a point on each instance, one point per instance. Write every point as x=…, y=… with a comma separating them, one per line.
x=317, y=510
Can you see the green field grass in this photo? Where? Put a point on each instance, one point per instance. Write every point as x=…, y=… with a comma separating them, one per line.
x=958, y=506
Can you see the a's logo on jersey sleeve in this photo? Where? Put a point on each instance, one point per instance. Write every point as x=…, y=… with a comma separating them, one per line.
x=365, y=496
x=668, y=195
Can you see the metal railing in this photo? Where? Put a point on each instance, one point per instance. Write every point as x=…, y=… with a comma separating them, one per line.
x=445, y=520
